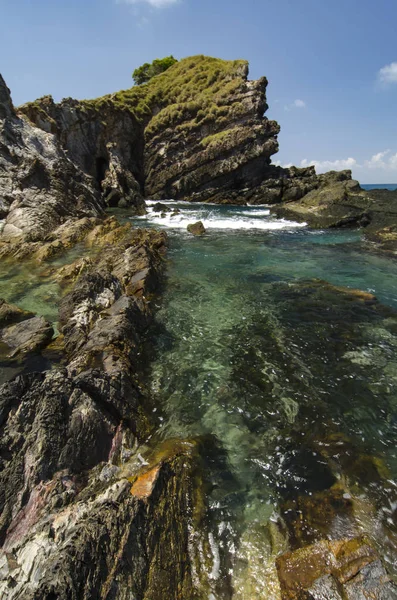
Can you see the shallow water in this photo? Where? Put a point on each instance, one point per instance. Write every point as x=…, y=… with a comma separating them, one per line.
x=285, y=378
x=31, y=285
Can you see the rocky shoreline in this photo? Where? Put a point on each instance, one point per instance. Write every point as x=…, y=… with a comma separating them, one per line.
x=83, y=515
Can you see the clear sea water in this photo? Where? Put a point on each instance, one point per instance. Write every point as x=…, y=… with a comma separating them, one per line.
x=291, y=382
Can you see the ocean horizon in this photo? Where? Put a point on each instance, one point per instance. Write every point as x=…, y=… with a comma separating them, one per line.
x=379, y=186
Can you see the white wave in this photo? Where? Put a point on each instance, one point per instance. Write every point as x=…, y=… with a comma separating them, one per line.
x=263, y=212
x=213, y=220
x=170, y=201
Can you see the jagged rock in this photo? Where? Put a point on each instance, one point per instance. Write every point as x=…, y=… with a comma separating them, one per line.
x=342, y=203
x=80, y=515
x=6, y=107
x=196, y=228
x=39, y=186
x=58, y=511
x=107, y=144
x=210, y=144
x=198, y=132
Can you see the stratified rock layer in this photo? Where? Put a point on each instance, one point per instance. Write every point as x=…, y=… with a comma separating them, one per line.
x=83, y=515
x=196, y=132
x=40, y=187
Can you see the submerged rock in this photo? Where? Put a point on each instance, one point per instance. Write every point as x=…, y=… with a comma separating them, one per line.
x=9, y=313
x=196, y=228
x=344, y=569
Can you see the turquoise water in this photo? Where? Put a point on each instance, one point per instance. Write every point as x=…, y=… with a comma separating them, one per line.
x=291, y=382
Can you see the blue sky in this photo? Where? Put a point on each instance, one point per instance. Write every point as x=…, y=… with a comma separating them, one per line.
x=331, y=65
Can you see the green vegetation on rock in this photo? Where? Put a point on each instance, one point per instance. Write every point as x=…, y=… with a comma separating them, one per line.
x=196, y=90
x=144, y=73
x=221, y=137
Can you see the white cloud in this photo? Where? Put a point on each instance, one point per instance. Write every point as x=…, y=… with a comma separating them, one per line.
x=298, y=103
x=382, y=160
x=388, y=74
x=154, y=3
x=330, y=165
x=385, y=162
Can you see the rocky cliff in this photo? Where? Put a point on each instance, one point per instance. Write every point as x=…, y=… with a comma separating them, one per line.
x=40, y=187
x=196, y=132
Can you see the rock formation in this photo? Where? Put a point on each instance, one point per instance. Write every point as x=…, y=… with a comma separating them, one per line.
x=82, y=513
x=196, y=228
x=40, y=187
x=196, y=132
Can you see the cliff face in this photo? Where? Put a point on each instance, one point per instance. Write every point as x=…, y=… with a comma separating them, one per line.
x=106, y=143
x=40, y=187
x=196, y=132
x=216, y=142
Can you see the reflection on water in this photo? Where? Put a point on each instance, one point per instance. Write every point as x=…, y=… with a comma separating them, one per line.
x=293, y=379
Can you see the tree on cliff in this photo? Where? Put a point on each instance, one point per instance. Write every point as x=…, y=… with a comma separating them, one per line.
x=144, y=73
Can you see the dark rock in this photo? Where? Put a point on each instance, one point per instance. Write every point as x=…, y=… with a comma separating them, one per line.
x=40, y=187
x=80, y=515
x=339, y=569
x=106, y=143
x=6, y=107
x=342, y=203
x=161, y=208
x=9, y=313
x=196, y=228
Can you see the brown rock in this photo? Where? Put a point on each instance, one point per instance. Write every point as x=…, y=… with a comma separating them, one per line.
x=196, y=228
x=350, y=566
x=144, y=484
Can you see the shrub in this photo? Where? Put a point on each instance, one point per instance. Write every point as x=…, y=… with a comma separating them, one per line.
x=145, y=73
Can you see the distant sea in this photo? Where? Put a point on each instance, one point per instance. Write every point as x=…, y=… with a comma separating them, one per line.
x=379, y=186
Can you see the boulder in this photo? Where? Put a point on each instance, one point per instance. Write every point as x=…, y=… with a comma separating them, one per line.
x=9, y=313
x=161, y=208
x=196, y=228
